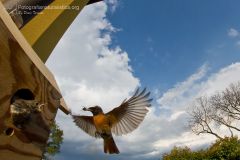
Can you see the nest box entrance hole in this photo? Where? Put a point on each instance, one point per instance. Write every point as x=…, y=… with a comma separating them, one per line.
x=25, y=94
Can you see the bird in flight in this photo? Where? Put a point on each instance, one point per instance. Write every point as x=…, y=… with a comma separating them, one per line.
x=119, y=121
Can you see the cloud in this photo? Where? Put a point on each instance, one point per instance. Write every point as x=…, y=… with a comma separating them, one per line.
x=233, y=32
x=220, y=80
x=88, y=70
x=181, y=91
x=113, y=4
x=178, y=101
x=91, y=72
x=198, y=84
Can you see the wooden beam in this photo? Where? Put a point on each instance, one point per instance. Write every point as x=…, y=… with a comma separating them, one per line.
x=45, y=30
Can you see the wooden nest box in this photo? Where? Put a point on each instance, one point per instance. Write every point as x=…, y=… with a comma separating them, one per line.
x=29, y=94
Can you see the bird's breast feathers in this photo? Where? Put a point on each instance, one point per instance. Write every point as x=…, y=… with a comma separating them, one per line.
x=101, y=122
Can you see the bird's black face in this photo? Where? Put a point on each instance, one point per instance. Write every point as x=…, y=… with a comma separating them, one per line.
x=95, y=110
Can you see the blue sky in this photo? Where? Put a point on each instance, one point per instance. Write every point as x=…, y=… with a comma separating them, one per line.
x=184, y=33
x=179, y=50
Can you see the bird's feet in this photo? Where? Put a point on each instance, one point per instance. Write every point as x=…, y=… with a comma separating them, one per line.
x=97, y=134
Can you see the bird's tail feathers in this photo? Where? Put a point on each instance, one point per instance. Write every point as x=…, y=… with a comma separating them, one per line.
x=110, y=146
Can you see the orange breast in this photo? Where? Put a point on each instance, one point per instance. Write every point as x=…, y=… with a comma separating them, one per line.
x=101, y=122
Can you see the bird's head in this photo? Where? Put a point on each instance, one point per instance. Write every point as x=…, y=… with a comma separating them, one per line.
x=95, y=110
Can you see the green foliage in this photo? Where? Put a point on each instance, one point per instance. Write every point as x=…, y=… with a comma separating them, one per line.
x=183, y=153
x=223, y=149
x=227, y=148
x=54, y=142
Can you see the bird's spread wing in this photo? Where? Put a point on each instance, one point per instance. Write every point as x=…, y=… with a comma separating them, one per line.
x=86, y=124
x=130, y=113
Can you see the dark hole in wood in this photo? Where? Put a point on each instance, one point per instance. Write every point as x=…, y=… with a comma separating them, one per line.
x=9, y=131
x=25, y=94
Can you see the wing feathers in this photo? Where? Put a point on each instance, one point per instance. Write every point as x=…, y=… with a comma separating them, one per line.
x=130, y=113
x=86, y=124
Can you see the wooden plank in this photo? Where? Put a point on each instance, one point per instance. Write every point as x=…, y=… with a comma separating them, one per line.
x=4, y=154
x=20, y=68
x=12, y=30
x=45, y=30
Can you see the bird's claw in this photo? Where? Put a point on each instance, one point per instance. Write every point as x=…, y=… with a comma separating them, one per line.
x=97, y=134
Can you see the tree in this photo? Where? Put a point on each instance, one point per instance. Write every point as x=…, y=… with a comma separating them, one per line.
x=227, y=104
x=183, y=153
x=201, y=121
x=220, y=109
x=227, y=148
x=54, y=142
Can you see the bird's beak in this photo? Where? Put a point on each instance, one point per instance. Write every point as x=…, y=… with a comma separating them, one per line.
x=86, y=109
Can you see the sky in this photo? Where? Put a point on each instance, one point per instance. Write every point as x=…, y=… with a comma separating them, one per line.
x=179, y=50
